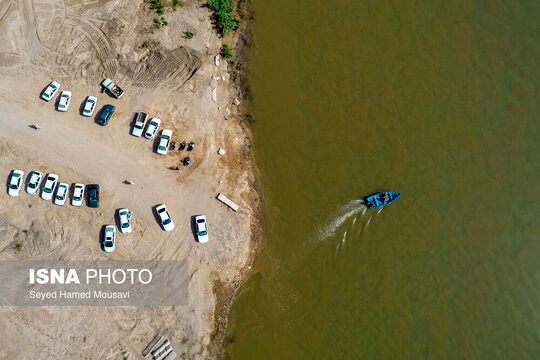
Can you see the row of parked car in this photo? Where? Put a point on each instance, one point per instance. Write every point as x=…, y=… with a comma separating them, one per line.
x=51, y=185
x=89, y=104
x=141, y=121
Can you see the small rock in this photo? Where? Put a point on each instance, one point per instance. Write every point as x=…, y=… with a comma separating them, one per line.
x=236, y=102
x=227, y=111
x=220, y=107
x=207, y=45
x=214, y=95
x=226, y=77
x=217, y=59
x=221, y=151
x=220, y=182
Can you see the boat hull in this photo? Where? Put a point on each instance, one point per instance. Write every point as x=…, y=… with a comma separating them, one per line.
x=381, y=199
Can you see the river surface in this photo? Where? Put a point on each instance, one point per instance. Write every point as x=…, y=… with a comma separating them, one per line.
x=438, y=100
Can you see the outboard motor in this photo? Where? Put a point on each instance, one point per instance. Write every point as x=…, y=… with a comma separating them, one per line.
x=182, y=146
x=191, y=146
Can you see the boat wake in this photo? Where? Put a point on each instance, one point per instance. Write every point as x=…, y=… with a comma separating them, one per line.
x=342, y=229
x=352, y=209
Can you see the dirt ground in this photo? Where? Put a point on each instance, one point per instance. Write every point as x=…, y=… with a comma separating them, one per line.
x=79, y=43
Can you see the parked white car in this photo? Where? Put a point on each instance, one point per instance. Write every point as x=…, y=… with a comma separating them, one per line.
x=202, y=228
x=50, y=91
x=152, y=128
x=78, y=194
x=65, y=99
x=124, y=217
x=34, y=182
x=165, y=217
x=15, y=183
x=61, y=194
x=140, y=122
x=89, y=106
x=50, y=185
x=109, y=238
x=164, y=141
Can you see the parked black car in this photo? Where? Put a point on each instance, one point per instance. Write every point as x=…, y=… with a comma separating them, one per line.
x=105, y=114
x=93, y=195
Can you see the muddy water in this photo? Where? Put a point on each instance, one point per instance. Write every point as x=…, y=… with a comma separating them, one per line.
x=434, y=99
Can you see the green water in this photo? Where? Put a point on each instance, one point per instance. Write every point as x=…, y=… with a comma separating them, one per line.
x=434, y=99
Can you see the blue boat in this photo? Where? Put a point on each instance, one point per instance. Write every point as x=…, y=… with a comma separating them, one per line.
x=381, y=199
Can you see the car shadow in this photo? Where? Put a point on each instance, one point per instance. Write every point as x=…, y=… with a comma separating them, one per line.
x=101, y=237
x=194, y=228
x=156, y=216
x=155, y=142
x=71, y=190
x=117, y=218
x=57, y=100
x=8, y=179
x=132, y=123
x=81, y=107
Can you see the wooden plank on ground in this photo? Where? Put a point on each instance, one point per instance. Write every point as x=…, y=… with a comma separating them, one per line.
x=227, y=201
x=151, y=345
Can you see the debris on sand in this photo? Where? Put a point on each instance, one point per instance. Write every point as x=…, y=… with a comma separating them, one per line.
x=151, y=345
x=227, y=201
x=221, y=151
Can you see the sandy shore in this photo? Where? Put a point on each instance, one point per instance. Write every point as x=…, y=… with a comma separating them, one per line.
x=167, y=76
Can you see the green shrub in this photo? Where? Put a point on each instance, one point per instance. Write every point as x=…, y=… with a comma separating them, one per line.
x=226, y=51
x=188, y=35
x=158, y=6
x=158, y=23
x=18, y=246
x=224, y=15
x=177, y=3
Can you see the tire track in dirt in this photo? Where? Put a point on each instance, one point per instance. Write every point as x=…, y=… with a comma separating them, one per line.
x=5, y=8
x=104, y=49
x=170, y=69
